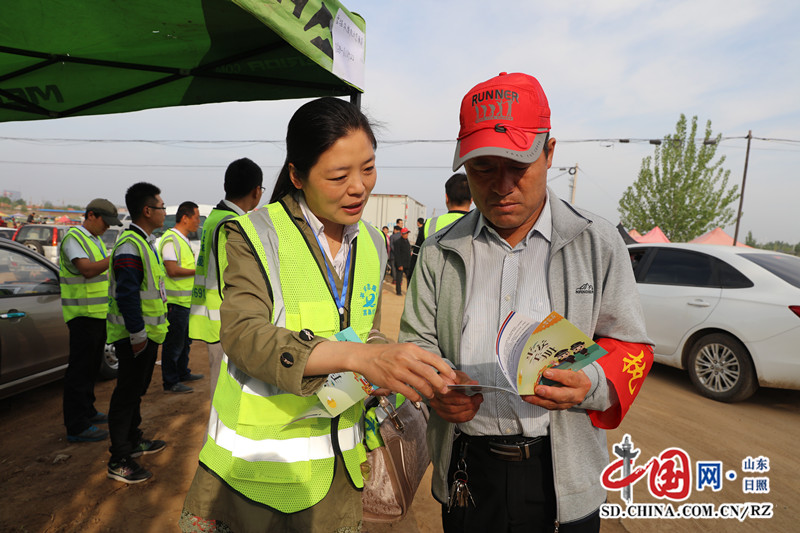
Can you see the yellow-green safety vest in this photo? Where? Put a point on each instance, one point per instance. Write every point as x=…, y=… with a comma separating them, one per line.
x=179, y=290
x=82, y=296
x=204, y=321
x=251, y=445
x=434, y=224
x=154, y=309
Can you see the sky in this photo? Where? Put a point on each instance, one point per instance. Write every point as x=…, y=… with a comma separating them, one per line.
x=617, y=69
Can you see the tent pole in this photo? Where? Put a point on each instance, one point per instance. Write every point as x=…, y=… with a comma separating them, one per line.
x=355, y=99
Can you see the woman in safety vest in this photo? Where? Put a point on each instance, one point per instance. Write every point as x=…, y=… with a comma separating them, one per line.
x=296, y=272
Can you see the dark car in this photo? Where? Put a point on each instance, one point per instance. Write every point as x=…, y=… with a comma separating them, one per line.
x=34, y=340
x=7, y=233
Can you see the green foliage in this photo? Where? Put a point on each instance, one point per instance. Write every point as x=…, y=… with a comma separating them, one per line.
x=680, y=188
x=5, y=200
x=775, y=246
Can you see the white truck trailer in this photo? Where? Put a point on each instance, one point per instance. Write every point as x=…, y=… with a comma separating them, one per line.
x=385, y=209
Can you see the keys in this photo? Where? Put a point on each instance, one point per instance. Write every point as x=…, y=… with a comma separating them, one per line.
x=460, y=495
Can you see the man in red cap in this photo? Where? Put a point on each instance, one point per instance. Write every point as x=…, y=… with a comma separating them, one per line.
x=522, y=463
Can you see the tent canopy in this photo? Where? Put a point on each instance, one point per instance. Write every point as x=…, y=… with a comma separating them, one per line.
x=60, y=58
x=717, y=236
x=654, y=235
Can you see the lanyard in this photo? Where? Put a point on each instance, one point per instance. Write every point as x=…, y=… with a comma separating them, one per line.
x=339, y=298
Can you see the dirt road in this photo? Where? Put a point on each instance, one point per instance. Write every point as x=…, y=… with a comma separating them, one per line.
x=49, y=485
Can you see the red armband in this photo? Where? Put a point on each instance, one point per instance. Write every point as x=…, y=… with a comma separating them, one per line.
x=625, y=366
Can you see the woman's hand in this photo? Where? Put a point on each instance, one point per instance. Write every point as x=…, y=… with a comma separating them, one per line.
x=400, y=368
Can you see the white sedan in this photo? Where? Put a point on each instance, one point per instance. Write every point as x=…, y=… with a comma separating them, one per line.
x=728, y=315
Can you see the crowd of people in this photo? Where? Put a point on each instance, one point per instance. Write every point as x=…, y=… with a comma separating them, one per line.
x=272, y=285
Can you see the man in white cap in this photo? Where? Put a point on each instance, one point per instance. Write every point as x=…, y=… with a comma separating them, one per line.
x=83, y=261
x=530, y=463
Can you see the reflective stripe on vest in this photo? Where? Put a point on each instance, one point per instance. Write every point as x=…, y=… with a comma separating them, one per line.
x=82, y=296
x=204, y=320
x=154, y=309
x=434, y=224
x=179, y=290
x=251, y=444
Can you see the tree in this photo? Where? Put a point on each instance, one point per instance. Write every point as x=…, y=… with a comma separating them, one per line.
x=680, y=189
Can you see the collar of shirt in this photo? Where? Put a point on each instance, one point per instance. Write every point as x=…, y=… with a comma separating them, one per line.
x=149, y=237
x=184, y=237
x=543, y=225
x=349, y=234
x=88, y=233
x=235, y=208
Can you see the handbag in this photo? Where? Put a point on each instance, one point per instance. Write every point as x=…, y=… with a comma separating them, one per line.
x=397, y=467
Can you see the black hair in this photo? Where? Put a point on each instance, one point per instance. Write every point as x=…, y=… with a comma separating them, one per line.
x=137, y=197
x=312, y=130
x=241, y=177
x=420, y=220
x=457, y=189
x=186, y=209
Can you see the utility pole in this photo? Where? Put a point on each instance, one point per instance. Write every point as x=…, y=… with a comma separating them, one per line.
x=741, y=194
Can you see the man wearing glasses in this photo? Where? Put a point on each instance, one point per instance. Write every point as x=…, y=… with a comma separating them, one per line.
x=136, y=324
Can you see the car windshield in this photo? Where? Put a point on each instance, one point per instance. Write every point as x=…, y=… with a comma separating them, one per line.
x=786, y=267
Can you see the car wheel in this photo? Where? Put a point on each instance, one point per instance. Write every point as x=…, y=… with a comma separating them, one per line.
x=720, y=367
x=109, y=364
x=36, y=246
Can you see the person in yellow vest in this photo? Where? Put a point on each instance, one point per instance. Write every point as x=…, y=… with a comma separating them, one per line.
x=299, y=270
x=179, y=263
x=243, y=189
x=83, y=260
x=457, y=198
x=137, y=325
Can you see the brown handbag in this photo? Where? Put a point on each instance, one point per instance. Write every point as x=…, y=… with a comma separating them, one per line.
x=397, y=467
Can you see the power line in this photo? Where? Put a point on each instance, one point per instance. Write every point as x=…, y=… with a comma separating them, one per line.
x=620, y=140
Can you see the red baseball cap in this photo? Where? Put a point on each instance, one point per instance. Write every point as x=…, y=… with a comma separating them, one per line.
x=404, y=230
x=506, y=116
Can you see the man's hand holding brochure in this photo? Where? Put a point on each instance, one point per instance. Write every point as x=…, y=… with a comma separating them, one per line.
x=525, y=349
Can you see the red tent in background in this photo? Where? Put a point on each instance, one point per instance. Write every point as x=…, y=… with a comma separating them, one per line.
x=654, y=235
x=717, y=236
x=635, y=234
x=63, y=219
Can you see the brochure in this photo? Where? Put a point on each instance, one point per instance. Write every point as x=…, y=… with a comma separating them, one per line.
x=526, y=348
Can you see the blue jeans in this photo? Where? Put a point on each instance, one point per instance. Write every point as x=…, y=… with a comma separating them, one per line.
x=175, y=350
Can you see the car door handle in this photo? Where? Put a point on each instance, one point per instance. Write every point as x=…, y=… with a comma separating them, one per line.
x=699, y=303
x=12, y=314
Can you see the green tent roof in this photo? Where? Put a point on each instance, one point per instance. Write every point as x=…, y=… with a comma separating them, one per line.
x=62, y=58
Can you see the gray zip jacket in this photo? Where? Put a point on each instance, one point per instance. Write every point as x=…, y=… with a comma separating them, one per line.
x=590, y=282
